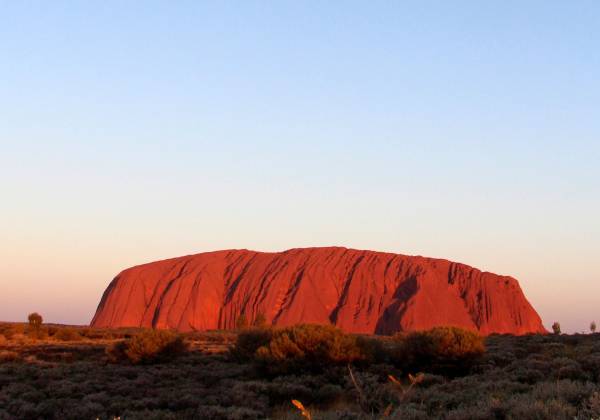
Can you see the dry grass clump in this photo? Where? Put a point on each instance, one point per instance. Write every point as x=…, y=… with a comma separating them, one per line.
x=10, y=329
x=67, y=334
x=109, y=334
x=37, y=334
x=149, y=346
x=303, y=410
x=446, y=350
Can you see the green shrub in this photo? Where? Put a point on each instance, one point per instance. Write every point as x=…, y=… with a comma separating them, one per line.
x=150, y=346
x=445, y=350
x=375, y=349
x=249, y=341
x=67, y=334
x=309, y=347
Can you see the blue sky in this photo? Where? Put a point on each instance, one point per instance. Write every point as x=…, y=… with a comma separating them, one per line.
x=133, y=131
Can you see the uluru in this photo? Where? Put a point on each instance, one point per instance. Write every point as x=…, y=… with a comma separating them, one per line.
x=358, y=291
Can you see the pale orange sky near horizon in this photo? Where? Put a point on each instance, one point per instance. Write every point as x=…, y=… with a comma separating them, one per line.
x=64, y=280
x=132, y=134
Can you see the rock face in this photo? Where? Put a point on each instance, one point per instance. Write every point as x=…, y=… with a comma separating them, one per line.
x=358, y=291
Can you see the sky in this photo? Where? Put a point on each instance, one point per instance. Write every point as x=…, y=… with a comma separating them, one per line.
x=136, y=131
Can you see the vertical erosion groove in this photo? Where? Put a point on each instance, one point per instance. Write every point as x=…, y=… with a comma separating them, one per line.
x=344, y=296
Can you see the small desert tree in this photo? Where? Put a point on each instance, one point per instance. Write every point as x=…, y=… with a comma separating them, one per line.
x=260, y=321
x=242, y=322
x=556, y=328
x=593, y=327
x=35, y=321
x=35, y=325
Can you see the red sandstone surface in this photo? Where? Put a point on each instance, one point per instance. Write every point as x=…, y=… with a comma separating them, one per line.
x=358, y=291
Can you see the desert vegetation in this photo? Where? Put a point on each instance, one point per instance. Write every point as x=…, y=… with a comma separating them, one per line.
x=556, y=328
x=306, y=371
x=148, y=346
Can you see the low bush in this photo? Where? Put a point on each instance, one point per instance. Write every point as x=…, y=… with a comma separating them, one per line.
x=37, y=333
x=148, y=346
x=8, y=356
x=375, y=349
x=445, y=350
x=98, y=334
x=19, y=339
x=67, y=334
x=9, y=330
x=310, y=347
x=249, y=341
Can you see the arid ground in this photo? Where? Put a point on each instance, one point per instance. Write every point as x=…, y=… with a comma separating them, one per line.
x=82, y=373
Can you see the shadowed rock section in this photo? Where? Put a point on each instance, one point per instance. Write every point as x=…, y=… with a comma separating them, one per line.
x=358, y=291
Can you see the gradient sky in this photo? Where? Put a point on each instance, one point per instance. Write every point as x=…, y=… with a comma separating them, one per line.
x=134, y=131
